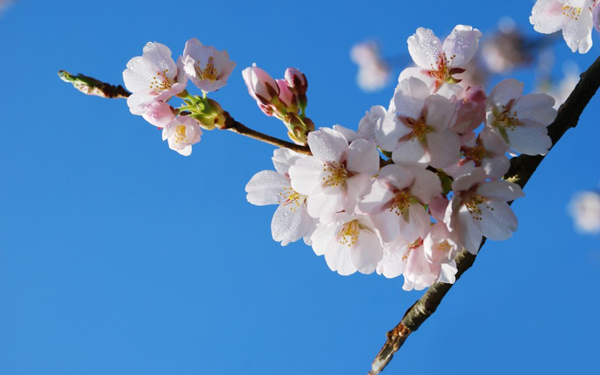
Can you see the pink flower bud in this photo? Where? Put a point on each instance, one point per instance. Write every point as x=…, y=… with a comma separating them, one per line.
x=286, y=96
x=159, y=114
x=297, y=80
x=261, y=86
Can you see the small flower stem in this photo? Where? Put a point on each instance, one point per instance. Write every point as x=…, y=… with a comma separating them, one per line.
x=238, y=127
x=521, y=170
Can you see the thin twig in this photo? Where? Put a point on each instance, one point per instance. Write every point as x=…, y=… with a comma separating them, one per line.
x=93, y=86
x=521, y=170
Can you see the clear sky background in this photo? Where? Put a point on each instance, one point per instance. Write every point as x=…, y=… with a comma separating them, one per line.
x=120, y=256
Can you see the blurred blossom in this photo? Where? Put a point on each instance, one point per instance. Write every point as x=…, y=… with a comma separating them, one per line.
x=561, y=91
x=585, y=209
x=474, y=74
x=506, y=49
x=373, y=72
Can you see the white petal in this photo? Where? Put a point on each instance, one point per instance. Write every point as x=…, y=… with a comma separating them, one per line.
x=326, y=203
x=388, y=131
x=411, y=153
x=504, y=91
x=397, y=176
x=465, y=182
x=469, y=231
x=363, y=157
x=537, y=107
x=501, y=191
x=367, y=252
x=547, y=16
x=440, y=112
x=498, y=220
x=461, y=45
x=356, y=188
x=426, y=185
x=425, y=48
x=338, y=258
x=377, y=200
x=578, y=33
x=266, y=187
x=393, y=265
x=387, y=224
x=322, y=236
x=290, y=223
x=283, y=158
x=307, y=176
x=529, y=139
x=418, y=223
x=444, y=148
x=409, y=97
x=327, y=144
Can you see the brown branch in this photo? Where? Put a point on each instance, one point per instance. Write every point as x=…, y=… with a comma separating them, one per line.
x=521, y=170
x=93, y=86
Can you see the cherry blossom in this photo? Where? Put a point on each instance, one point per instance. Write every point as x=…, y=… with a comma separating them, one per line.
x=585, y=209
x=396, y=202
x=478, y=208
x=262, y=87
x=291, y=220
x=182, y=133
x=573, y=17
x=205, y=66
x=337, y=174
x=349, y=244
x=420, y=134
x=373, y=71
x=520, y=120
x=439, y=63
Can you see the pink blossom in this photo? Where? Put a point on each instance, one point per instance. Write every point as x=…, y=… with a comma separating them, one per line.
x=470, y=110
x=182, y=133
x=208, y=68
x=261, y=86
x=156, y=112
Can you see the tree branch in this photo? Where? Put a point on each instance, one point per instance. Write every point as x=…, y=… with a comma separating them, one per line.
x=521, y=170
x=93, y=86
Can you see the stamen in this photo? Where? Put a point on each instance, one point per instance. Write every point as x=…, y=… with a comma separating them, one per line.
x=336, y=174
x=349, y=233
x=291, y=199
x=180, y=134
x=209, y=72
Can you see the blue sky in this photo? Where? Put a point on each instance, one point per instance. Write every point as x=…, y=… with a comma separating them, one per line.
x=119, y=256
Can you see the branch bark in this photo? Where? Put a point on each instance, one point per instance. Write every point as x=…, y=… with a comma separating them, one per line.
x=521, y=170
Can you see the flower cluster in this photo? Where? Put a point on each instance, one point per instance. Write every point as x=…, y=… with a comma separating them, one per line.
x=574, y=18
x=154, y=78
x=420, y=180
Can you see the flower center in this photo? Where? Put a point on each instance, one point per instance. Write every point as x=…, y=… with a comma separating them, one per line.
x=180, y=134
x=411, y=247
x=160, y=82
x=419, y=129
x=444, y=246
x=476, y=154
x=209, y=72
x=336, y=174
x=291, y=198
x=473, y=203
x=401, y=202
x=348, y=235
x=507, y=119
x=571, y=12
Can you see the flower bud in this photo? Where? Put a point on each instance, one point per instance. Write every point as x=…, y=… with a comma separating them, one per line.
x=261, y=86
x=296, y=80
x=470, y=111
x=158, y=113
x=286, y=96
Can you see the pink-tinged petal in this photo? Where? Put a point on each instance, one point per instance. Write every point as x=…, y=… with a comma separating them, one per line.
x=596, y=17
x=418, y=74
x=284, y=158
x=411, y=153
x=461, y=45
x=493, y=142
x=437, y=207
x=498, y=221
x=451, y=214
x=396, y=176
x=387, y=223
x=185, y=151
x=158, y=114
x=409, y=97
x=290, y=223
x=465, y=182
x=137, y=102
x=367, y=252
x=327, y=145
x=469, y=231
x=356, y=188
x=547, y=16
x=307, y=176
x=426, y=185
x=529, y=139
x=266, y=187
x=417, y=225
x=393, y=264
x=440, y=112
x=260, y=84
x=495, y=167
x=366, y=126
x=578, y=33
x=501, y=191
x=464, y=166
x=363, y=157
x=325, y=204
x=425, y=48
x=440, y=235
x=449, y=90
x=444, y=148
x=388, y=131
x=338, y=258
x=377, y=200
x=505, y=91
x=537, y=107
x=137, y=76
